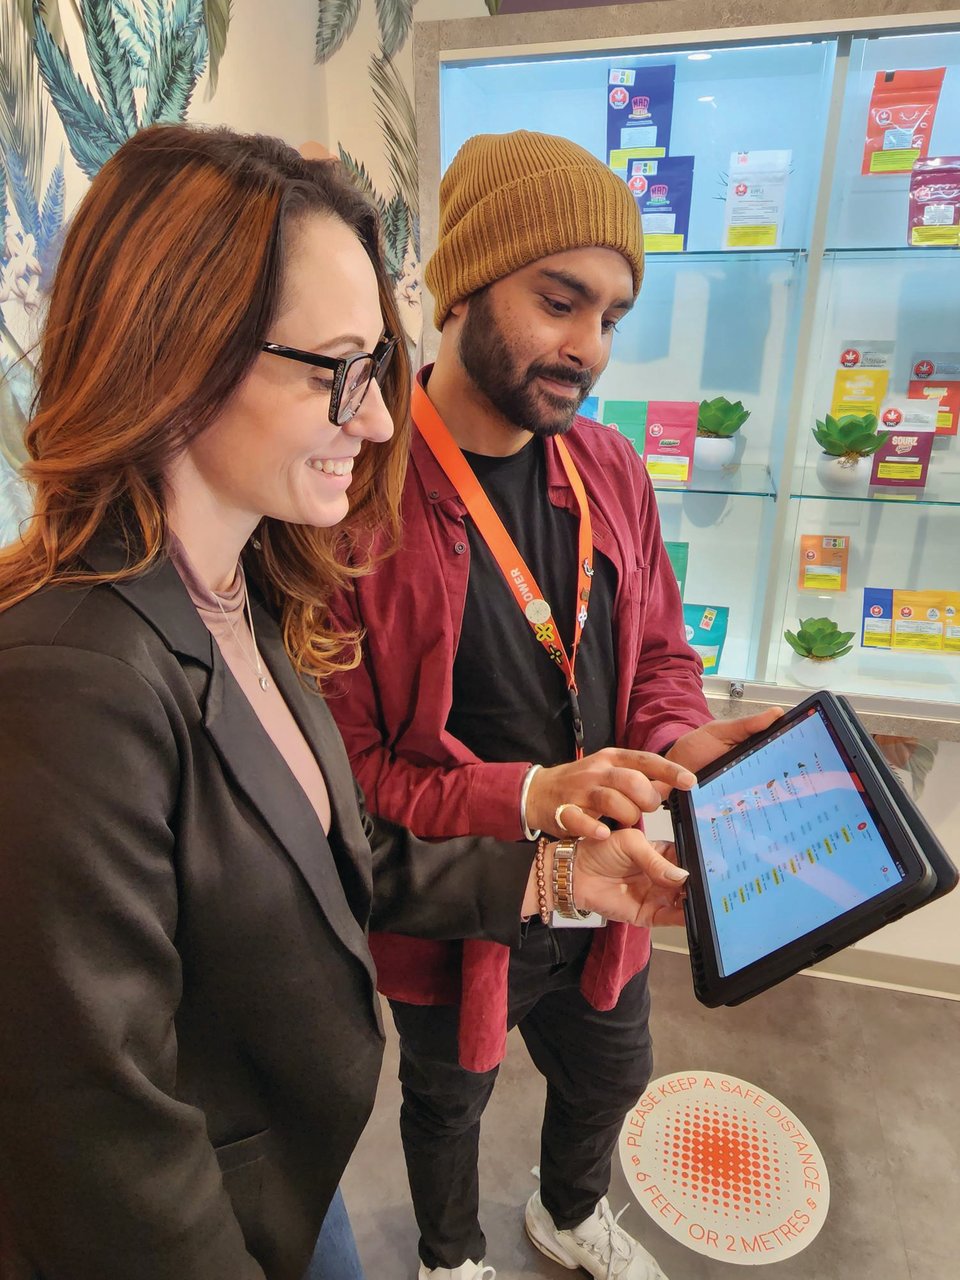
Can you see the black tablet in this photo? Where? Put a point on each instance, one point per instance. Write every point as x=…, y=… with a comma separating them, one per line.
x=798, y=843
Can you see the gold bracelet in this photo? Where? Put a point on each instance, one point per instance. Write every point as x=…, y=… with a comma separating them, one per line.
x=564, y=856
x=542, y=880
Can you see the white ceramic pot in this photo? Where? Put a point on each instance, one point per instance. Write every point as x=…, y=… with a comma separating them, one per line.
x=813, y=673
x=714, y=453
x=840, y=475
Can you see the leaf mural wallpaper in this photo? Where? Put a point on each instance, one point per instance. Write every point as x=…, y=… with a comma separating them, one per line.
x=145, y=58
x=78, y=77
x=399, y=208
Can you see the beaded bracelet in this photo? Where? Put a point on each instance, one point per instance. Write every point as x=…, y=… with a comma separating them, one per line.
x=542, y=880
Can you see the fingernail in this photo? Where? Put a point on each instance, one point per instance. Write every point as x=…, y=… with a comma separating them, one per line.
x=600, y=832
x=676, y=873
x=687, y=779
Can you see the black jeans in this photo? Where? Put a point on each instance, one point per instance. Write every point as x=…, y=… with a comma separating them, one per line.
x=595, y=1064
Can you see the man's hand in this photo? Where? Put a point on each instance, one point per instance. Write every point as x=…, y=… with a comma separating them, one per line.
x=700, y=747
x=628, y=877
x=618, y=783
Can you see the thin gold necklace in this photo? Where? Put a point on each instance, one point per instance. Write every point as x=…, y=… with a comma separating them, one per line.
x=256, y=666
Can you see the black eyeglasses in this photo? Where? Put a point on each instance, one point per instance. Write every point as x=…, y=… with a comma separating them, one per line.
x=352, y=374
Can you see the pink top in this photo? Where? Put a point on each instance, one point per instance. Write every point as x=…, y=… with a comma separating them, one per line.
x=224, y=616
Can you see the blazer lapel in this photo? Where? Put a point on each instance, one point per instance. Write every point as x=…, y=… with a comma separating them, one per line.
x=247, y=754
x=260, y=771
x=319, y=728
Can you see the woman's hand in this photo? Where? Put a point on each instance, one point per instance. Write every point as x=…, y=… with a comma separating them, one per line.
x=628, y=877
x=624, y=877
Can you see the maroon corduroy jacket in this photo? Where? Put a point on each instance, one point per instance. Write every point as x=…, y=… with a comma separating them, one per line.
x=392, y=709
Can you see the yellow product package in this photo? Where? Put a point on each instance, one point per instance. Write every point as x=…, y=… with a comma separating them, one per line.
x=918, y=620
x=858, y=391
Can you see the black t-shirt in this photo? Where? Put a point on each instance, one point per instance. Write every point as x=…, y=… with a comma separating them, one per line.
x=510, y=699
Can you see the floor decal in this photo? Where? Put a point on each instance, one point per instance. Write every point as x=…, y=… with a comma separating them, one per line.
x=725, y=1168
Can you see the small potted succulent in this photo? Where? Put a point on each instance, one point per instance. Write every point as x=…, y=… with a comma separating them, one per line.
x=846, y=445
x=718, y=422
x=816, y=646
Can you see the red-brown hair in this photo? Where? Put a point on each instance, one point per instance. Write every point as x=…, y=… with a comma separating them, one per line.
x=169, y=279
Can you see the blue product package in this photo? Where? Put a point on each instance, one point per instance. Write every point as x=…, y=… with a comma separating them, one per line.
x=591, y=408
x=663, y=190
x=639, y=107
x=876, y=630
x=705, y=627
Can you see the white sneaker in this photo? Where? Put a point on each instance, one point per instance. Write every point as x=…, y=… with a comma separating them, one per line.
x=466, y=1271
x=599, y=1245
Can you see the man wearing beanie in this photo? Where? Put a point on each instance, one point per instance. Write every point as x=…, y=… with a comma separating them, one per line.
x=524, y=669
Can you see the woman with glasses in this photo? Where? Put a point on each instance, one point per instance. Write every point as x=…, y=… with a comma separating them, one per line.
x=189, y=1037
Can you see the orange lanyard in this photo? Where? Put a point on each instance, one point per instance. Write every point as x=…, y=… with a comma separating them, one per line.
x=516, y=574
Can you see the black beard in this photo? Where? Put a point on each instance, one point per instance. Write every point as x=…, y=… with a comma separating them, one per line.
x=485, y=354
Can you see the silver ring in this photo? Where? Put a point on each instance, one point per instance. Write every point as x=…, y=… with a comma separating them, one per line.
x=558, y=815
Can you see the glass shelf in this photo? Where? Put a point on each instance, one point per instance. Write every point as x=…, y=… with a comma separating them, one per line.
x=895, y=251
x=942, y=490
x=727, y=255
x=749, y=480
x=928, y=677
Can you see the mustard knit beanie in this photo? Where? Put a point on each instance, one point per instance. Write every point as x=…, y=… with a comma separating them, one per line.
x=508, y=199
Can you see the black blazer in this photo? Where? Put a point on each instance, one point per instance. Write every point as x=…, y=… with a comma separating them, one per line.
x=189, y=1035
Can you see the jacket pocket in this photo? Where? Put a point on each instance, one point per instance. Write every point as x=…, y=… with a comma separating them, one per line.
x=241, y=1167
x=236, y=1155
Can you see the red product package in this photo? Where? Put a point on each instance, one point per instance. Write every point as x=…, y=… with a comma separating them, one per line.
x=935, y=202
x=900, y=119
x=936, y=376
x=671, y=435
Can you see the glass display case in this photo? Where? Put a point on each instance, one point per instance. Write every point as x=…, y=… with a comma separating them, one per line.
x=804, y=261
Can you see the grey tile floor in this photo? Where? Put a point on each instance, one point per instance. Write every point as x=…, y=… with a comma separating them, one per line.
x=873, y=1074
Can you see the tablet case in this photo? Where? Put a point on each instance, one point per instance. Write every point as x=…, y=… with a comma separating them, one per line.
x=944, y=870
x=945, y=875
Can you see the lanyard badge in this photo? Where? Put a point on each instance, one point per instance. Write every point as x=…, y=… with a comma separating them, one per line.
x=516, y=574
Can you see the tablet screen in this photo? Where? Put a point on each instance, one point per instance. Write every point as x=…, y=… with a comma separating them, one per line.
x=789, y=842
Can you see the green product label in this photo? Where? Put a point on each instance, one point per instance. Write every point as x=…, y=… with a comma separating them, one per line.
x=630, y=419
x=679, y=553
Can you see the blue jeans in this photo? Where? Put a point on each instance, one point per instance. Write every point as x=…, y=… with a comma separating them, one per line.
x=335, y=1257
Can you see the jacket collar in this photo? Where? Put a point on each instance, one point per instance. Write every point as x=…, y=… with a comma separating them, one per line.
x=159, y=596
